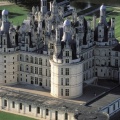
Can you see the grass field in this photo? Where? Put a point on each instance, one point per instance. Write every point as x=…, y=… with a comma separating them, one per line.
x=16, y=13
x=9, y=116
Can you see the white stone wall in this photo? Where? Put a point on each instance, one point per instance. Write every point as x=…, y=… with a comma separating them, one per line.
x=33, y=112
x=75, y=79
x=8, y=68
x=25, y=75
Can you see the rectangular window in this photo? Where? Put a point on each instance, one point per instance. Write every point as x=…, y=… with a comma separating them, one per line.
x=67, y=71
x=67, y=92
x=29, y=108
x=46, y=72
x=4, y=61
x=40, y=71
x=67, y=81
x=20, y=106
x=67, y=60
x=38, y=110
x=36, y=60
x=31, y=69
x=116, y=62
x=61, y=92
x=47, y=112
x=13, y=104
x=46, y=62
x=36, y=70
x=5, y=103
x=67, y=53
x=66, y=116
x=46, y=82
x=61, y=81
x=36, y=80
x=61, y=71
x=40, y=61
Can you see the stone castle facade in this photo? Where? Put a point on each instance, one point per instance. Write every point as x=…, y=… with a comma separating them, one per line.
x=57, y=54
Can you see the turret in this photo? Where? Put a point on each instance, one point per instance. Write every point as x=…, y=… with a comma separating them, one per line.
x=43, y=6
x=5, y=24
x=57, y=46
x=94, y=22
x=54, y=7
x=103, y=14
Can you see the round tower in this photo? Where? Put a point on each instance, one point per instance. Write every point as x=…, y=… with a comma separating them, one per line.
x=66, y=70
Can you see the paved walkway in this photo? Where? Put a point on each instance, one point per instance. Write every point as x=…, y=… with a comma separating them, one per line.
x=3, y=3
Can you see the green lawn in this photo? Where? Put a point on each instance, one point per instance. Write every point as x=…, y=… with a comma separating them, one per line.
x=16, y=13
x=9, y=116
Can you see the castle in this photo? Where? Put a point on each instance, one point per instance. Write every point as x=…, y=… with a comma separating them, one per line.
x=56, y=54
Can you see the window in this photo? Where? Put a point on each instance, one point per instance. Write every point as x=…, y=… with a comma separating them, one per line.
x=38, y=110
x=46, y=82
x=5, y=103
x=56, y=115
x=116, y=62
x=66, y=116
x=31, y=69
x=4, y=71
x=4, y=61
x=67, y=81
x=113, y=107
x=40, y=81
x=67, y=92
x=47, y=112
x=46, y=72
x=36, y=70
x=61, y=71
x=67, y=53
x=61, y=81
x=61, y=92
x=116, y=54
x=13, y=104
x=36, y=60
x=46, y=62
x=36, y=80
x=13, y=58
x=4, y=66
x=29, y=108
x=31, y=59
x=40, y=71
x=67, y=60
x=27, y=58
x=20, y=106
x=40, y=61
x=67, y=71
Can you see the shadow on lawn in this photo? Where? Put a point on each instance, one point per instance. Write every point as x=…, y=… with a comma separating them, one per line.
x=12, y=15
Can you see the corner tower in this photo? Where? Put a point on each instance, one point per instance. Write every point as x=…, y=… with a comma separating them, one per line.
x=66, y=68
